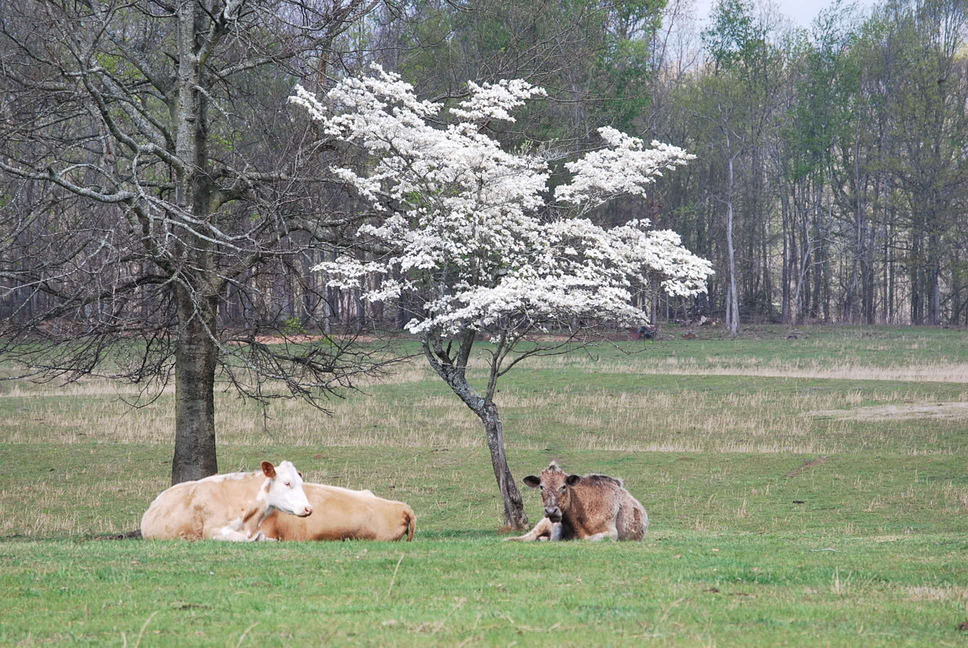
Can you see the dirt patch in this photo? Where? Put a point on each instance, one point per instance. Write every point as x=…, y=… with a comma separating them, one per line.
x=895, y=412
x=813, y=463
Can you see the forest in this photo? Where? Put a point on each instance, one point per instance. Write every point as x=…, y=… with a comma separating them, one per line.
x=829, y=184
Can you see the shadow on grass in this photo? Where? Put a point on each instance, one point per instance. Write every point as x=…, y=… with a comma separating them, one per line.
x=461, y=534
x=450, y=534
x=87, y=537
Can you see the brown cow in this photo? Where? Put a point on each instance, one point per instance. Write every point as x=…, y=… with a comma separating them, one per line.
x=226, y=507
x=343, y=514
x=592, y=507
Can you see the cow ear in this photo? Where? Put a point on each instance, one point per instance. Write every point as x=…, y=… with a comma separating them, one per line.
x=531, y=481
x=268, y=469
x=300, y=474
x=571, y=480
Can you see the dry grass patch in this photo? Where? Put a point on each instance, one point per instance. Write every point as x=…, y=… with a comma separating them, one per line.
x=68, y=504
x=82, y=387
x=112, y=412
x=956, y=498
x=813, y=463
x=410, y=407
x=844, y=370
x=762, y=421
x=401, y=373
x=928, y=593
x=70, y=421
x=409, y=371
x=645, y=420
x=894, y=412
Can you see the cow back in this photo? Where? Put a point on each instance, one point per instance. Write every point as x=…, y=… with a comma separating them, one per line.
x=342, y=514
x=595, y=503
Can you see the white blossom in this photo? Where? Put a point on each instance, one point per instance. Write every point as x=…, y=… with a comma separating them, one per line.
x=472, y=225
x=624, y=166
x=495, y=100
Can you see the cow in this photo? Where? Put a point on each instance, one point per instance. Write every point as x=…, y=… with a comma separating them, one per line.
x=343, y=514
x=593, y=507
x=226, y=507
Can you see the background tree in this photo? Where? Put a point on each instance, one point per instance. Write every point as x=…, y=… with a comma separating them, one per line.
x=150, y=185
x=737, y=95
x=926, y=94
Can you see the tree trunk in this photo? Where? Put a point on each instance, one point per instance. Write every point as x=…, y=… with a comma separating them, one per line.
x=195, y=455
x=732, y=299
x=452, y=371
x=515, y=517
x=934, y=280
x=785, y=274
x=196, y=300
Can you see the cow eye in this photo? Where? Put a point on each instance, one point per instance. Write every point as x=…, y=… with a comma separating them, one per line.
x=562, y=489
x=541, y=486
x=289, y=484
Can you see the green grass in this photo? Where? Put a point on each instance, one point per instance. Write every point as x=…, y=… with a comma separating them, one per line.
x=682, y=588
x=772, y=522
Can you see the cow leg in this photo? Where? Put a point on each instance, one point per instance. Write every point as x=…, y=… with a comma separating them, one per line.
x=240, y=529
x=231, y=535
x=611, y=534
x=621, y=523
x=544, y=528
x=556, y=528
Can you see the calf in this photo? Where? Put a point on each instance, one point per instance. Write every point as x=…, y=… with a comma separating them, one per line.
x=343, y=514
x=592, y=507
x=226, y=507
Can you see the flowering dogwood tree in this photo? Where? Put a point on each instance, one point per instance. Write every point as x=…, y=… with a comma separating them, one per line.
x=474, y=232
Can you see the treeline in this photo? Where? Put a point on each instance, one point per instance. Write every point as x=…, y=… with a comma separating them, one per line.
x=841, y=153
x=830, y=185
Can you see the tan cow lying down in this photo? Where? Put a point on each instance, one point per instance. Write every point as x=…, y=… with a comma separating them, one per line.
x=343, y=514
x=226, y=507
x=592, y=507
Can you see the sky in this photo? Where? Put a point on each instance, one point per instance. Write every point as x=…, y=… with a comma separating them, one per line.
x=800, y=12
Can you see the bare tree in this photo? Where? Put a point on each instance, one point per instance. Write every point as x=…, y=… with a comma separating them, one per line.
x=150, y=182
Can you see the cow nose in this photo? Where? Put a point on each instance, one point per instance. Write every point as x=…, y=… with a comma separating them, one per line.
x=307, y=511
x=552, y=511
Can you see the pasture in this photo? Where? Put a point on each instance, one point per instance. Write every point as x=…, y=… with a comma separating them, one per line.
x=801, y=492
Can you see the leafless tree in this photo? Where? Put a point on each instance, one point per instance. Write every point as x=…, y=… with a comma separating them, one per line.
x=154, y=205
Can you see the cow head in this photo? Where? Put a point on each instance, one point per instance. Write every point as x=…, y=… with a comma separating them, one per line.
x=555, y=485
x=284, y=489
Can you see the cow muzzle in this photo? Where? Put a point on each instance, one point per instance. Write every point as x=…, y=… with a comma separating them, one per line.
x=306, y=512
x=553, y=513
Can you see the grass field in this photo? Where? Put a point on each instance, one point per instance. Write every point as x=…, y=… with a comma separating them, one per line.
x=807, y=492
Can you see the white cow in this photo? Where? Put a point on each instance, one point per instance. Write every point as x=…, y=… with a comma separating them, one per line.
x=226, y=507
